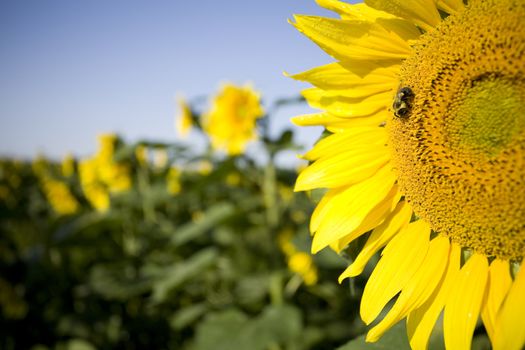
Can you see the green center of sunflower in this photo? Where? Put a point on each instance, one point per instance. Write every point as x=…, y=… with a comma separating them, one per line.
x=458, y=134
x=487, y=116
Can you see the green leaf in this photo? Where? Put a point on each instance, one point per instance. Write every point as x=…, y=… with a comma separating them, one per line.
x=481, y=342
x=212, y=217
x=75, y=344
x=222, y=331
x=232, y=329
x=395, y=339
x=187, y=315
x=173, y=276
x=124, y=153
x=278, y=324
x=118, y=281
x=252, y=289
x=88, y=222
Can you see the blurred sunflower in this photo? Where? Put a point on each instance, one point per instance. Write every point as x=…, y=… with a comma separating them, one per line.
x=425, y=106
x=68, y=166
x=230, y=122
x=100, y=175
x=184, y=121
x=59, y=196
x=299, y=262
x=173, y=180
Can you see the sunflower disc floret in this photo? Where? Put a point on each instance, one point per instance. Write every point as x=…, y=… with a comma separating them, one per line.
x=460, y=156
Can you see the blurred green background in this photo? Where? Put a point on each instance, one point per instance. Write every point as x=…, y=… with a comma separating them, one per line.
x=149, y=246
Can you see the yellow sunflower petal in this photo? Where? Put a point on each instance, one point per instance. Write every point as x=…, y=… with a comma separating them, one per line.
x=381, y=235
x=418, y=289
x=345, y=210
x=342, y=106
x=353, y=11
x=353, y=39
x=315, y=119
x=344, y=168
x=376, y=119
x=374, y=218
x=346, y=141
x=324, y=206
x=352, y=76
x=355, y=93
x=401, y=259
x=451, y=6
x=509, y=333
x=339, y=124
x=498, y=286
x=420, y=12
x=464, y=303
x=420, y=322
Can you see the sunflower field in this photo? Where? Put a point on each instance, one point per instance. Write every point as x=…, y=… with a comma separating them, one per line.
x=402, y=227
x=147, y=245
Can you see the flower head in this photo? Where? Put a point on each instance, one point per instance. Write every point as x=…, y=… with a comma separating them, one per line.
x=59, y=196
x=68, y=165
x=141, y=155
x=94, y=189
x=101, y=175
x=173, y=180
x=184, y=121
x=299, y=262
x=230, y=122
x=427, y=157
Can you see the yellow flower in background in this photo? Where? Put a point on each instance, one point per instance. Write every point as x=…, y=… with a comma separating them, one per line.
x=425, y=104
x=184, y=120
x=94, y=190
x=107, y=145
x=285, y=241
x=230, y=123
x=204, y=167
x=98, y=196
x=302, y=264
x=68, y=165
x=116, y=176
x=233, y=179
x=299, y=262
x=173, y=180
x=286, y=193
x=59, y=196
x=40, y=164
x=100, y=174
x=141, y=154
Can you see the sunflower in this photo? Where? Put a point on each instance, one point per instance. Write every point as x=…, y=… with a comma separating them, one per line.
x=426, y=157
x=59, y=196
x=231, y=120
x=101, y=175
x=184, y=121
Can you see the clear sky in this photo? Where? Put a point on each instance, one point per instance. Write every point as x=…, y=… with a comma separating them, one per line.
x=72, y=69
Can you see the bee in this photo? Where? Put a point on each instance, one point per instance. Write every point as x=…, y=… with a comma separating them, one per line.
x=403, y=102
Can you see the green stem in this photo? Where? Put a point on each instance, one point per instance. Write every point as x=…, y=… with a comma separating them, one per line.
x=270, y=195
x=143, y=184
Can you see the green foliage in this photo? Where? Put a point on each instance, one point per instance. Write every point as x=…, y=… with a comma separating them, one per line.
x=395, y=338
x=191, y=253
x=232, y=329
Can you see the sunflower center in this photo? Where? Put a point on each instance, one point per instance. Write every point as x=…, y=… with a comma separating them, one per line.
x=459, y=147
x=487, y=116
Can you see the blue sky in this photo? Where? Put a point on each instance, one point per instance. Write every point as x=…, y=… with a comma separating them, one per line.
x=73, y=69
